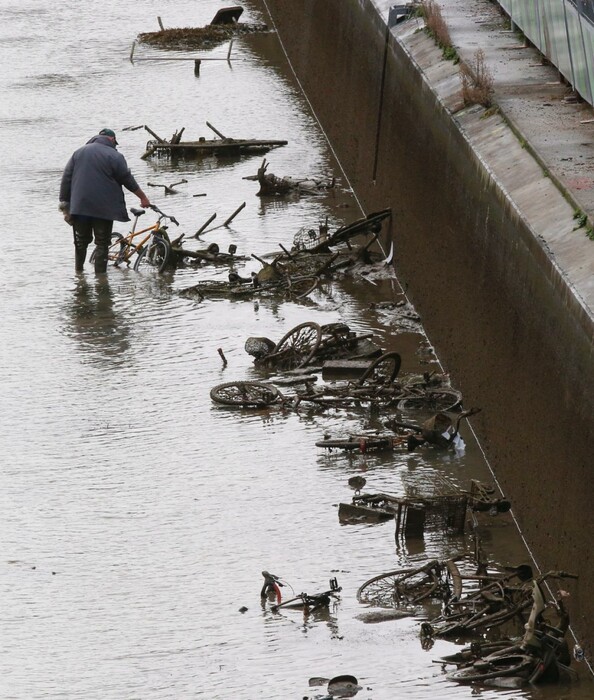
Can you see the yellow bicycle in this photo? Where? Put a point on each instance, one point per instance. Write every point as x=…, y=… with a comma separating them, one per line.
x=151, y=245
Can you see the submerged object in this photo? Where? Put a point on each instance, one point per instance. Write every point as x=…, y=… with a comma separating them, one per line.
x=224, y=146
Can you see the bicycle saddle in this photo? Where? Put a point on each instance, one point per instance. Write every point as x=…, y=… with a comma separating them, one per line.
x=137, y=212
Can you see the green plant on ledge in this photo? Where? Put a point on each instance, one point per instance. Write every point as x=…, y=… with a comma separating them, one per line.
x=580, y=218
x=437, y=29
x=582, y=222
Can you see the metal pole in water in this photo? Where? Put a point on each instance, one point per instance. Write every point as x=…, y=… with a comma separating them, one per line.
x=235, y=213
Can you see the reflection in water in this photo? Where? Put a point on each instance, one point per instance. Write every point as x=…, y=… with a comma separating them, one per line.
x=94, y=321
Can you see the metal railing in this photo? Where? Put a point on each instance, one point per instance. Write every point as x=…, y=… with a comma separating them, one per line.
x=563, y=31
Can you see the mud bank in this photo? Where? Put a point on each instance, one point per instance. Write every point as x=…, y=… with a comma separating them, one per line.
x=476, y=224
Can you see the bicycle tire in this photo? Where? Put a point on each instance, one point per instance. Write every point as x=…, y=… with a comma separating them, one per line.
x=404, y=586
x=155, y=255
x=245, y=394
x=115, y=238
x=502, y=666
x=384, y=368
x=361, y=443
x=300, y=344
x=433, y=400
x=301, y=287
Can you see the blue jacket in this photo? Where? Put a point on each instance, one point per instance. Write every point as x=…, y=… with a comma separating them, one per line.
x=93, y=179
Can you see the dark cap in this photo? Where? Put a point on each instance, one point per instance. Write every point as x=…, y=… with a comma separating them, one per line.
x=108, y=132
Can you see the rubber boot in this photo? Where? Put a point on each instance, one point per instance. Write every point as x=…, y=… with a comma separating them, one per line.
x=80, y=255
x=100, y=260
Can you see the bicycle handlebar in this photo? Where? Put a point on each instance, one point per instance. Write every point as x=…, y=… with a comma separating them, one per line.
x=162, y=214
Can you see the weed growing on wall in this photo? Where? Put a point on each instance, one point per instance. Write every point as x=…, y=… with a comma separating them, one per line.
x=436, y=27
x=477, y=81
x=582, y=222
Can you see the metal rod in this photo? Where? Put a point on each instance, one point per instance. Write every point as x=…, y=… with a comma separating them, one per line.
x=152, y=133
x=291, y=257
x=199, y=231
x=381, y=103
x=218, y=133
x=235, y=213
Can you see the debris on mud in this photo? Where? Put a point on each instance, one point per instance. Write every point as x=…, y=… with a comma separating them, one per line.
x=345, y=686
x=308, y=603
x=399, y=314
x=168, y=189
x=296, y=273
x=375, y=616
x=223, y=146
x=272, y=185
x=223, y=27
x=211, y=255
x=445, y=509
x=309, y=342
x=540, y=656
x=441, y=430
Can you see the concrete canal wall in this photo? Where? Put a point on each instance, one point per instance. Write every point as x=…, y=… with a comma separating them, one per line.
x=484, y=241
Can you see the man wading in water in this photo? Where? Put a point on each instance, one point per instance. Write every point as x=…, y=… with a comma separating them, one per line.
x=91, y=196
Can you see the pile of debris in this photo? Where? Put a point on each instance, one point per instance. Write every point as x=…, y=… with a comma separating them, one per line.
x=224, y=26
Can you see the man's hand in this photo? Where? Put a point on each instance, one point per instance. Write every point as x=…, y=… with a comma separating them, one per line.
x=64, y=207
x=144, y=200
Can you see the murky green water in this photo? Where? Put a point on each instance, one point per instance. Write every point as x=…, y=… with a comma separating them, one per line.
x=136, y=515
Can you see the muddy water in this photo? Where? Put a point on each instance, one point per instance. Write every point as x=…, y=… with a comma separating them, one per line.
x=137, y=516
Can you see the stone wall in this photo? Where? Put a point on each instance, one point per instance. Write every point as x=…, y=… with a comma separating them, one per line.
x=503, y=319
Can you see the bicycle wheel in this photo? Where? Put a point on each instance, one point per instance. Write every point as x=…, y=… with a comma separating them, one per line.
x=155, y=255
x=403, y=587
x=300, y=287
x=432, y=400
x=299, y=345
x=483, y=669
x=114, y=248
x=382, y=370
x=245, y=394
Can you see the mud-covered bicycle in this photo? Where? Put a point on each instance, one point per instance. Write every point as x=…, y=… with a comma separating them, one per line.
x=254, y=394
x=542, y=654
x=311, y=603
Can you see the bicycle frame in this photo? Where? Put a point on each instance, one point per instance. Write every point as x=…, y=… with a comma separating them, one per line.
x=124, y=248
